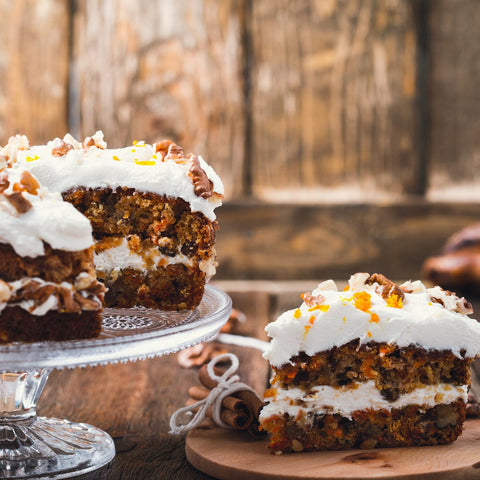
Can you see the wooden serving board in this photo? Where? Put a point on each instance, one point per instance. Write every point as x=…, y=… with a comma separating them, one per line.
x=230, y=455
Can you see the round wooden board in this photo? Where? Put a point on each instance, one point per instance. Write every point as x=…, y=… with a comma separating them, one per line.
x=230, y=455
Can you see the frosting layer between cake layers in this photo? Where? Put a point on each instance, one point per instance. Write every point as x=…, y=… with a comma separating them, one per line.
x=324, y=399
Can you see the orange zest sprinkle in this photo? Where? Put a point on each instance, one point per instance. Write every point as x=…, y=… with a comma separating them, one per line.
x=322, y=308
x=374, y=317
x=144, y=162
x=394, y=301
x=270, y=392
x=302, y=295
x=297, y=313
x=307, y=328
x=116, y=158
x=312, y=319
x=362, y=301
x=346, y=289
x=369, y=334
x=154, y=156
x=31, y=159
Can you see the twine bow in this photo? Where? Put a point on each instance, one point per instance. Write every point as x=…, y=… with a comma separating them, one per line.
x=227, y=384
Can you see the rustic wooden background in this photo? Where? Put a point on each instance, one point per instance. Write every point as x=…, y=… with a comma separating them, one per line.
x=346, y=131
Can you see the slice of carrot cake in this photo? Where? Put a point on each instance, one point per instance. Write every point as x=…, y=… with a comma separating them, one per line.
x=375, y=365
x=48, y=288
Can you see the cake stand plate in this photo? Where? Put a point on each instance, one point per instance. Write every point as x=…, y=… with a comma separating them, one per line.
x=37, y=447
x=230, y=455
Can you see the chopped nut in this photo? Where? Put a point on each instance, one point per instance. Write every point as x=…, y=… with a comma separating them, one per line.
x=84, y=281
x=202, y=185
x=446, y=415
x=312, y=300
x=21, y=204
x=62, y=149
x=162, y=147
x=4, y=291
x=4, y=182
x=368, y=443
x=297, y=446
x=42, y=294
x=29, y=182
x=88, y=142
x=388, y=287
x=174, y=152
x=87, y=304
x=66, y=302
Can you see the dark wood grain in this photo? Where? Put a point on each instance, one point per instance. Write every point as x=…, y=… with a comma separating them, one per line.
x=334, y=99
x=454, y=40
x=151, y=70
x=290, y=242
x=133, y=402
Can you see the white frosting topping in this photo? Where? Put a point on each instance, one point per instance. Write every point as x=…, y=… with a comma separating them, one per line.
x=49, y=220
x=324, y=399
x=362, y=313
x=137, y=166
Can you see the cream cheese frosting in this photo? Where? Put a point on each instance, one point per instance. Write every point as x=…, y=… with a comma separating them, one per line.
x=426, y=317
x=324, y=399
x=93, y=165
x=49, y=219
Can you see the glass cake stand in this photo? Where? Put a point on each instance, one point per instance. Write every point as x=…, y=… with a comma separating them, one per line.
x=39, y=447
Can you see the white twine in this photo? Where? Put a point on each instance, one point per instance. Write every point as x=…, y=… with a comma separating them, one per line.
x=227, y=384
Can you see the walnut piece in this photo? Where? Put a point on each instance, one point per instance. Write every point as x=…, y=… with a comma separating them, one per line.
x=388, y=288
x=21, y=204
x=62, y=149
x=175, y=152
x=162, y=147
x=202, y=185
x=4, y=182
x=4, y=291
x=313, y=300
x=29, y=183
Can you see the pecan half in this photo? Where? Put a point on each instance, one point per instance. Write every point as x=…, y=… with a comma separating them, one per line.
x=66, y=304
x=312, y=300
x=21, y=204
x=236, y=317
x=42, y=294
x=4, y=182
x=88, y=142
x=87, y=304
x=202, y=185
x=175, y=152
x=62, y=149
x=162, y=147
x=388, y=289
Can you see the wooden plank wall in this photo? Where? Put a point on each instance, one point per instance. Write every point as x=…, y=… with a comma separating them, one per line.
x=345, y=130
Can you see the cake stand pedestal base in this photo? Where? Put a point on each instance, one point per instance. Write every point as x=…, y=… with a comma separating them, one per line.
x=38, y=447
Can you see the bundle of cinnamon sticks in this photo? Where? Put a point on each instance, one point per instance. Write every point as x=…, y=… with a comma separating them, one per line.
x=240, y=410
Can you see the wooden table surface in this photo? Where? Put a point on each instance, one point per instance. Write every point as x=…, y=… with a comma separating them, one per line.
x=133, y=402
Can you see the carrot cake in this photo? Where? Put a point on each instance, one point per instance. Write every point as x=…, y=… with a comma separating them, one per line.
x=48, y=288
x=375, y=365
x=151, y=208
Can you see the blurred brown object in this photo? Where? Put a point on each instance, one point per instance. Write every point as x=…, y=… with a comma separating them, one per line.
x=236, y=317
x=457, y=267
x=198, y=355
